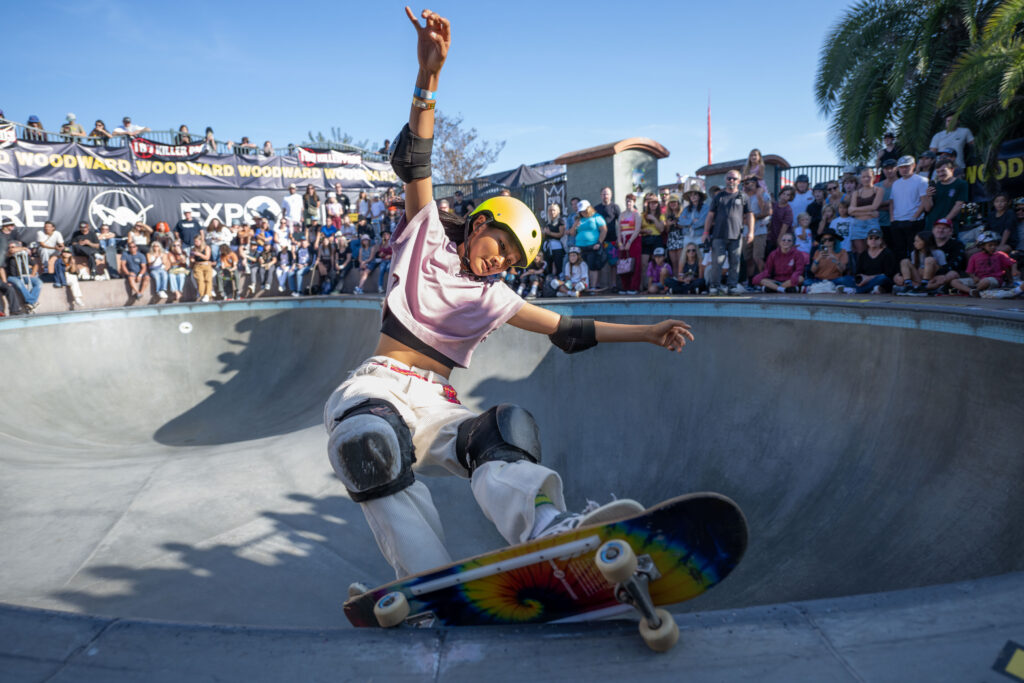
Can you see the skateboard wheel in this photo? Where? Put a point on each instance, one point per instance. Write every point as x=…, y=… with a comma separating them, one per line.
x=391, y=609
x=616, y=561
x=663, y=638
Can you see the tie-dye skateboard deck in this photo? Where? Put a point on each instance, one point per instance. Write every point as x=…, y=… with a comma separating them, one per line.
x=682, y=547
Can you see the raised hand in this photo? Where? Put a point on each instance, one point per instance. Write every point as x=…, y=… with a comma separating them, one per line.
x=434, y=39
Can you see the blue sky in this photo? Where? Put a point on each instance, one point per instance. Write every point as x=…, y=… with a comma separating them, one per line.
x=546, y=77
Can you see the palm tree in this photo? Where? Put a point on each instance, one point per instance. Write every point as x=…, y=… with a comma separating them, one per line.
x=987, y=80
x=883, y=65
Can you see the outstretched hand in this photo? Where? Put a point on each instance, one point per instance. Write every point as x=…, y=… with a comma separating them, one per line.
x=434, y=39
x=672, y=334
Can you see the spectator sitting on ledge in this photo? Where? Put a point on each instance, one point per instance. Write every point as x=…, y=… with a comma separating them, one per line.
x=783, y=271
x=689, y=279
x=921, y=266
x=876, y=267
x=831, y=261
x=135, y=269
x=658, y=272
x=988, y=268
x=532, y=278
x=574, y=276
x=25, y=281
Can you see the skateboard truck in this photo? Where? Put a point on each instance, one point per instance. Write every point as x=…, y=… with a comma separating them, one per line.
x=631, y=575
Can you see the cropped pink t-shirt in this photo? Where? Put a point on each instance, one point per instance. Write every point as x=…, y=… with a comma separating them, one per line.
x=433, y=299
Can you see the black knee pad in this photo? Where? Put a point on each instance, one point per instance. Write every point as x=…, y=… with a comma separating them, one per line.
x=371, y=450
x=505, y=432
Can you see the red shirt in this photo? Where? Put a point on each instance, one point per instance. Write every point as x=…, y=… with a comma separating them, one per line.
x=983, y=265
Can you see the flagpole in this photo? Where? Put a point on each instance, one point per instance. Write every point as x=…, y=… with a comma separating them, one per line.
x=709, y=127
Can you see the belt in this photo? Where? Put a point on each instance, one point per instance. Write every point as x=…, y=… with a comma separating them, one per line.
x=448, y=390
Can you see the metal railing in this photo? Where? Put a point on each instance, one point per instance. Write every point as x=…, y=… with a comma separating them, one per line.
x=170, y=137
x=819, y=173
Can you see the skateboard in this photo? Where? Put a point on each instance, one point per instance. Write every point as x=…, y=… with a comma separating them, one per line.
x=667, y=554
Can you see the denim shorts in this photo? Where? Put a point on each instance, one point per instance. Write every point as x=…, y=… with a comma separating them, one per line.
x=859, y=229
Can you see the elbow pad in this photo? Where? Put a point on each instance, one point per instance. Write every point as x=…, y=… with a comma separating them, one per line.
x=411, y=156
x=574, y=334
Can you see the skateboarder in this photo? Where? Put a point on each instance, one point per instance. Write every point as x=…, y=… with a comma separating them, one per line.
x=397, y=415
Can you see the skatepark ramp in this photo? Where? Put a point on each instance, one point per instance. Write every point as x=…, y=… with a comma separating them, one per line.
x=169, y=462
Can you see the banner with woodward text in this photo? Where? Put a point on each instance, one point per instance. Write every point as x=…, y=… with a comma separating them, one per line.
x=156, y=164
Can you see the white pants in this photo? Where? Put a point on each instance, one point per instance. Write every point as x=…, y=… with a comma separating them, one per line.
x=406, y=524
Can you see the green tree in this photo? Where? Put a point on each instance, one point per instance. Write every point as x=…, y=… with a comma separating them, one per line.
x=987, y=80
x=459, y=154
x=338, y=140
x=883, y=65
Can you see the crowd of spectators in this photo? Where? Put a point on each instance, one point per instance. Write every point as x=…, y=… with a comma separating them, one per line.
x=897, y=228
x=100, y=135
x=296, y=253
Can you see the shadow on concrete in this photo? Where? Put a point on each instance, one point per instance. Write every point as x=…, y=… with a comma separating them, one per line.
x=274, y=376
x=274, y=571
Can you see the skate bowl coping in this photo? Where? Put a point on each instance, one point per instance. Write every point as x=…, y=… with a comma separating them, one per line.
x=169, y=462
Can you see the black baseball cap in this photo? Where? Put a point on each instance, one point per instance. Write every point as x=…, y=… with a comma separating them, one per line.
x=888, y=163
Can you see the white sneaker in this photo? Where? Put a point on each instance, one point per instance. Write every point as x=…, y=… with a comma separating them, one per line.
x=79, y=302
x=205, y=299
x=593, y=513
x=848, y=290
x=295, y=293
x=738, y=289
x=713, y=291
x=162, y=294
x=876, y=290
x=560, y=293
x=999, y=293
x=575, y=293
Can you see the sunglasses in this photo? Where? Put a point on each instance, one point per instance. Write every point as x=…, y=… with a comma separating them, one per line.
x=832, y=187
x=731, y=178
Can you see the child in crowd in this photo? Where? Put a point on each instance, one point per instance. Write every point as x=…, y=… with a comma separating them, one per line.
x=335, y=211
x=532, y=277
x=690, y=278
x=988, y=268
x=803, y=235
x=398, y=417
x=705, y=264
x=658, y=272
x=921, y=266
x=575, y=275
x=842, y=224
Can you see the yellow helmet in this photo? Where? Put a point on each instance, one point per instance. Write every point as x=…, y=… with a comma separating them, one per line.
x=517, y=219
